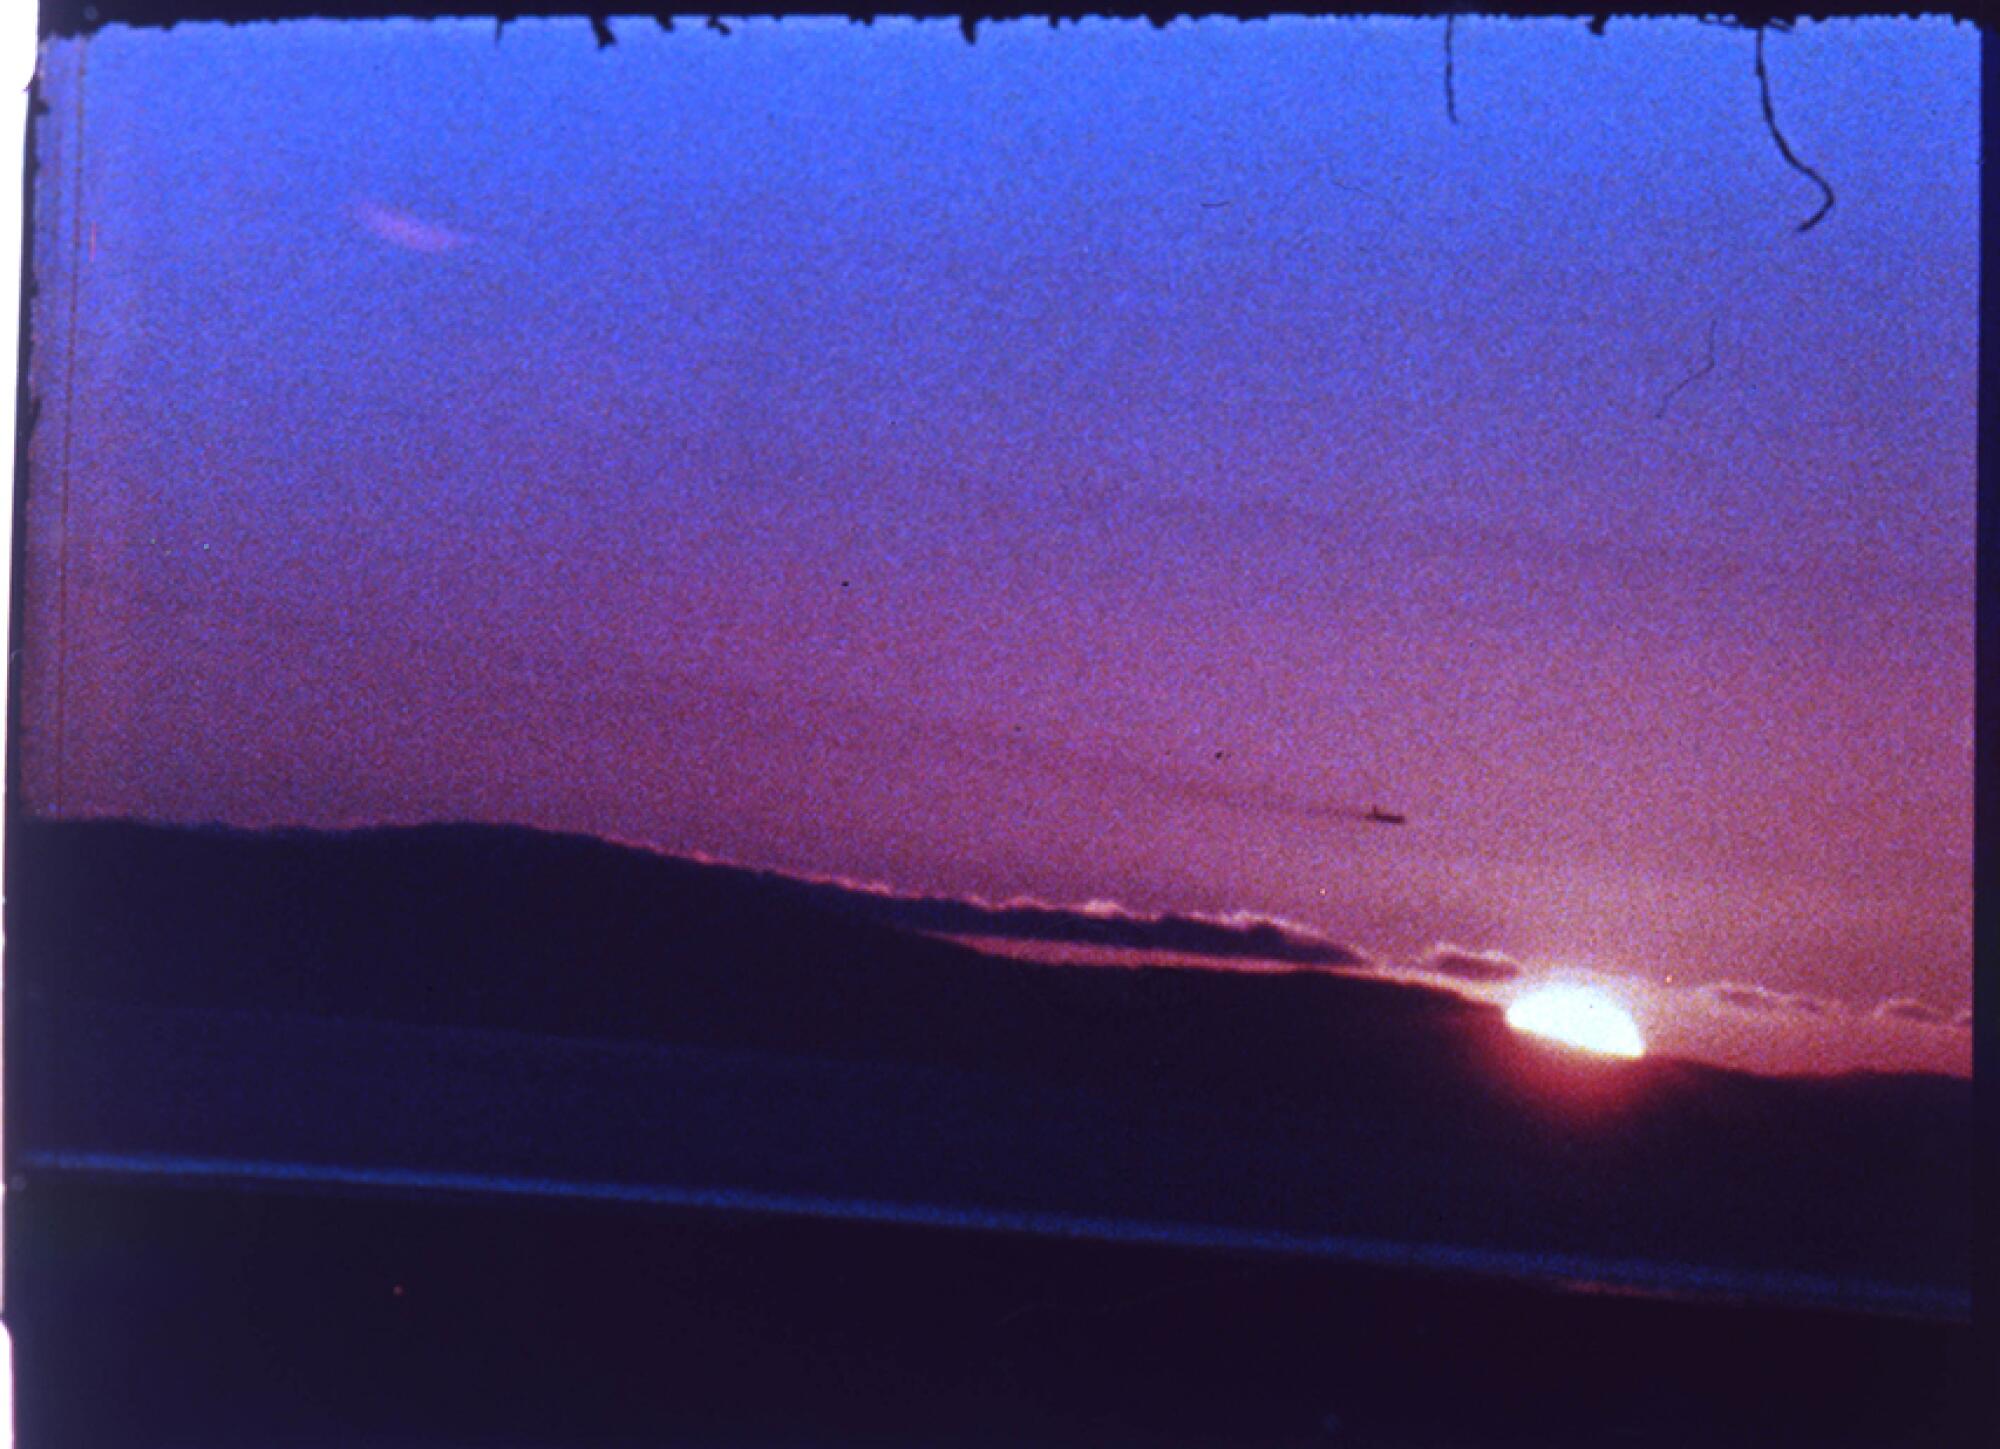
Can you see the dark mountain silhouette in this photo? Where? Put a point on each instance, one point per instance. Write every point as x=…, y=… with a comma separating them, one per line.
x=502, y=1001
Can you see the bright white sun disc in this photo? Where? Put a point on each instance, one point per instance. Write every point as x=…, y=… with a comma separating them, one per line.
x=1580, y=1017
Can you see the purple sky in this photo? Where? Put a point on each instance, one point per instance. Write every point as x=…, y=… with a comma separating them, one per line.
x=1082, y=465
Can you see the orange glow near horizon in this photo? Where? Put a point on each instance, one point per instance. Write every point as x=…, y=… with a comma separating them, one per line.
x=1580, y=1017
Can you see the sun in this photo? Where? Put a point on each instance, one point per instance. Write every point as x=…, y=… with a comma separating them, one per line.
x=1580, y=1017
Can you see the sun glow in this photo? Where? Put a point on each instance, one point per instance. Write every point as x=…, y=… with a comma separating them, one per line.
x=1580, y=1017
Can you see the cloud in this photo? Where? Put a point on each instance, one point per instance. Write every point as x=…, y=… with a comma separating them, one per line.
x=1907, y=1008
x=1761, y=999
x=1468, y=965
x=1238, y=937
x=399, y=228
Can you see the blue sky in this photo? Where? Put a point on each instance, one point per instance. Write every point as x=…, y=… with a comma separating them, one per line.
x=1071, y=464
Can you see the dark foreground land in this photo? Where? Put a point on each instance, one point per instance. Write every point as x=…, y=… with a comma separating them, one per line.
x=650, y=1128
x=148, y=1318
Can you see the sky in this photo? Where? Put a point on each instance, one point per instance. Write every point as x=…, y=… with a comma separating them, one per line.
x=1085, y=465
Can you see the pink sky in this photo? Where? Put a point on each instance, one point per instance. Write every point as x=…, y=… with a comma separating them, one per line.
x=931, y=483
